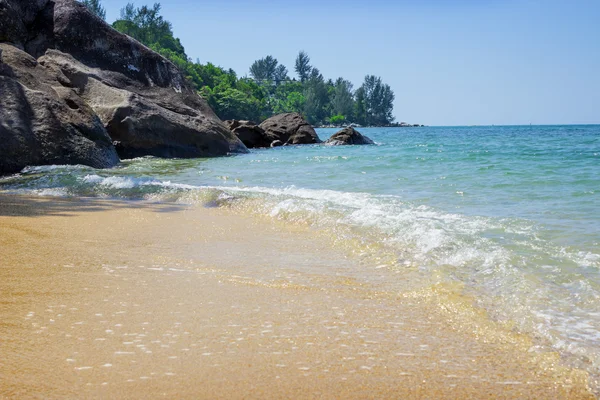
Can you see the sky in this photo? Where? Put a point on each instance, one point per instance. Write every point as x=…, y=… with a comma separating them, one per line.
x=449, y=62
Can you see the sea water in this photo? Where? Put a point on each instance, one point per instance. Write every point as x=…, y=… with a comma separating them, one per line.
x=507, y=215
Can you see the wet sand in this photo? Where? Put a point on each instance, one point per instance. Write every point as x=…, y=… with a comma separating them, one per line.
x=107, y=299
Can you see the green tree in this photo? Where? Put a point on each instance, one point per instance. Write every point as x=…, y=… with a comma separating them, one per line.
x=378, y=101
x=293, y=102
x=316, y=97
x=95, y=7
x=303, y=68
x=149, y=27
x=231, y=103
x=337, y=119
x=229, y=96
x=264, y=69
x=342, y=102
x=360, y=107
x=281, y=74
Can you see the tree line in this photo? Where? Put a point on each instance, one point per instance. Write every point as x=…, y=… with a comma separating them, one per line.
x=268, y=90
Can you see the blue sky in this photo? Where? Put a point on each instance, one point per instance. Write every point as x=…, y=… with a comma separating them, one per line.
x=452, y=62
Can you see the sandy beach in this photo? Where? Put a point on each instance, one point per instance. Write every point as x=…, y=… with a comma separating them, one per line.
x=115, y=299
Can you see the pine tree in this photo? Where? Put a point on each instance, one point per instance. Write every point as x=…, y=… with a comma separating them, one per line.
x=303, y=68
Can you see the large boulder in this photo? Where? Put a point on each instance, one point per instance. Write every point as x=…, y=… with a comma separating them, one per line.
x=290, y=128
x=42, y=122
x=252, y=135
x=146, y=120
x=348, y=136
x=141, y=99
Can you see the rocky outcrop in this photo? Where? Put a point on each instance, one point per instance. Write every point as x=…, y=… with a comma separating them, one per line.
x=252, y=135
x=348, y=136
x=138, y=97
x=42, y=122
x=290, y=128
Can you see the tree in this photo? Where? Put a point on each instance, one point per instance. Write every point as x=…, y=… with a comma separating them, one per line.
x=293, y=102
x=376, y=101
x=337, y=119
x=229, y=96
x=316, y=97
x=342, y=102
x=264, y=69
x=281, y=74
x=360, y=107
x=303, y=68
x=149, y=27
x=95, y=7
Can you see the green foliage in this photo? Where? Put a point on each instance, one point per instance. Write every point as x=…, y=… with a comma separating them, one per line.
x=95, y=7
x=281, y=74
x=317, y=98
x=149, y=27
x=264, y=69
x=232, y=103
x=377, y=102
x=337, y=119
x=303, y=68
x=342, y=102
x=292, y=102
x=360, y=107
x=269, y=91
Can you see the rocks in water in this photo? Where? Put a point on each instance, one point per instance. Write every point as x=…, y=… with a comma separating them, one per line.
x=109, y=84
x=252, y=135
x=42, y=122
x=276, y=131
x=348, y=136
x=290, y=128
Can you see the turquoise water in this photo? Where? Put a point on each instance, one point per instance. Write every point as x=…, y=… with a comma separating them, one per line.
x=510, y=213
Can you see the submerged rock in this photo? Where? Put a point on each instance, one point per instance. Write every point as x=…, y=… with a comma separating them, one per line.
x=112, y=86
x=348, y=136
x=290, y=128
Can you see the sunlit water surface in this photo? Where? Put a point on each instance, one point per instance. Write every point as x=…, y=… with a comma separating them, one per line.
x=510, y=215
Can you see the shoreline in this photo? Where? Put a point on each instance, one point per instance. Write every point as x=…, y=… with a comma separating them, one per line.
x=193, y=302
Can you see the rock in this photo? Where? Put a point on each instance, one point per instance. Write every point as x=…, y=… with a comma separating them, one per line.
x=163, y=122
x=276, y=143
x=252, y=135
x=42, y=122
x=142, y=100
x=348, y=136
x=290, y=128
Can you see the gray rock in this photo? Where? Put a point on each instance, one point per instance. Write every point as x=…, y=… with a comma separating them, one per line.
x=276, y=143
x=290, y=128
x=348, y=136
x=252, y=135
x=163, y=122
x=136, y=96
x=42, y=122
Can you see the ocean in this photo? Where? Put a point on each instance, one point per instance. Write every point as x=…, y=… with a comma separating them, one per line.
x=508, y=216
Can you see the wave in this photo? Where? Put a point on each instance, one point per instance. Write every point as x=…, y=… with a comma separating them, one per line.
x=514, y=272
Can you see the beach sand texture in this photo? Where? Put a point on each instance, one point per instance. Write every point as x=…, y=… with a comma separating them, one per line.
x=109, y=299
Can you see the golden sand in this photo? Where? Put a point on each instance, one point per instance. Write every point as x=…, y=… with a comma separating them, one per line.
x=104, y=299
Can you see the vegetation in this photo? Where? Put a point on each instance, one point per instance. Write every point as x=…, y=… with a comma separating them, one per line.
x=95, y=7
x=269, y=90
